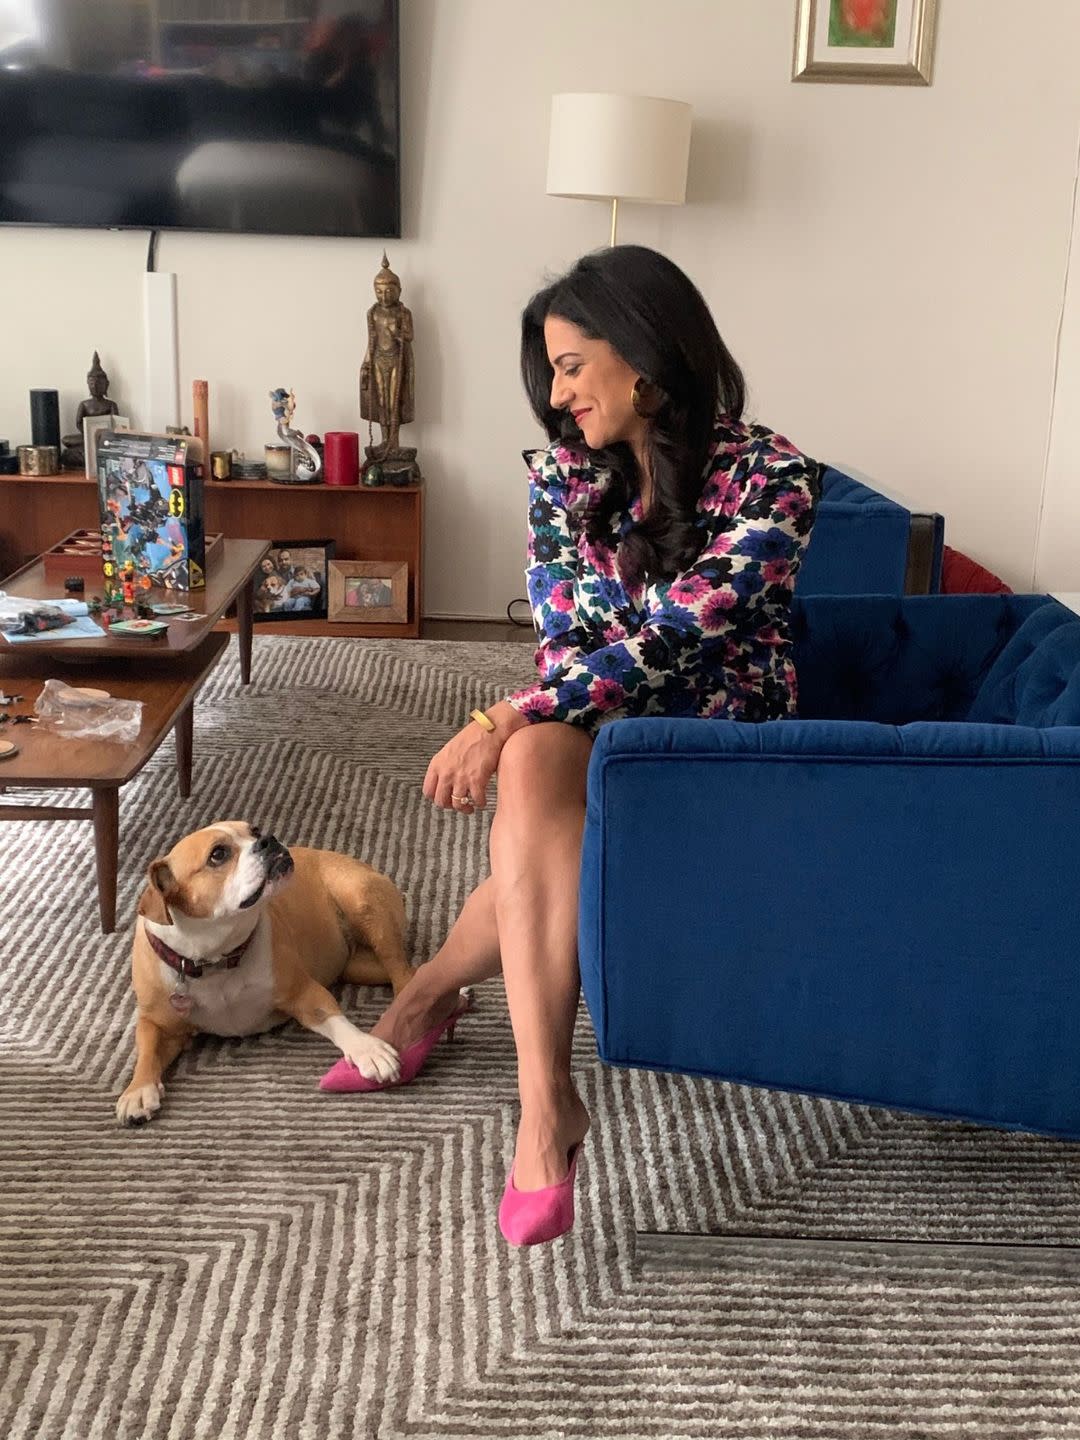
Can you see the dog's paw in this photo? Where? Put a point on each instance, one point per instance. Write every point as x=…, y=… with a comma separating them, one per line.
x=139, y=1103
x=375, y=1059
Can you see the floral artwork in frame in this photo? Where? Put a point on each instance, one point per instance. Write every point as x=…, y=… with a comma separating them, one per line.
x=888, y=42
x=369, y=592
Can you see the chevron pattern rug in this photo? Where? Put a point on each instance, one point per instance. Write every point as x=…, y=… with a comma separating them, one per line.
x=268, y=1261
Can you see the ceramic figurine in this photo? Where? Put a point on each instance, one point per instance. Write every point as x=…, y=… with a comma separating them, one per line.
x=307, y=466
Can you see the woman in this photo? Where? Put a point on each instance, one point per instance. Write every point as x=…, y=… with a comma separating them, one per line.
x=664, y=539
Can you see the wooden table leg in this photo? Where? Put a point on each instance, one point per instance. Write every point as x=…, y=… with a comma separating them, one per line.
x=185, y=741
x=244, y=610
x=106, y=849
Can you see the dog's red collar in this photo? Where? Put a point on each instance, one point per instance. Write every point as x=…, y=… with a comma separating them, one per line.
x=193, y=969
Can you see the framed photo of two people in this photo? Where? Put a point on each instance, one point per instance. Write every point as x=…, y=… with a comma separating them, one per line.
x=369, y=591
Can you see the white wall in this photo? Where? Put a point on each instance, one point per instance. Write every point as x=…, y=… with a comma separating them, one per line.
x=887, y=263
x=1057, y=558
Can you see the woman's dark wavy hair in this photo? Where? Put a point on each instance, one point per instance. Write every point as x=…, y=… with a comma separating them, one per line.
x=652, y=315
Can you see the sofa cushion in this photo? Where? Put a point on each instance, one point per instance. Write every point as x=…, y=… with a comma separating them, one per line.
x=1036, y=678
x=895, y=660
x=960, y=575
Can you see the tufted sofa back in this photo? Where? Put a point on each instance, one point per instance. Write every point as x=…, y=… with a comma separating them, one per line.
x=1035, y=680
x=1002, y=659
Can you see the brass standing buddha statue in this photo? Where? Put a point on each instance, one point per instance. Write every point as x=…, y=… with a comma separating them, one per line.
x=387, y=381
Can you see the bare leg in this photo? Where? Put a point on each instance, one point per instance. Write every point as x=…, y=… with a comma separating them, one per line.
x=522, y=920
x=535, y=860
x=469, y=954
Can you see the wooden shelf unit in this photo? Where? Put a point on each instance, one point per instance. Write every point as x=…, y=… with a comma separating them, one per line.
x=383, y=522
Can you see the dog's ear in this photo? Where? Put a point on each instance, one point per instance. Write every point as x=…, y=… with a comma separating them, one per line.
x=154, y=901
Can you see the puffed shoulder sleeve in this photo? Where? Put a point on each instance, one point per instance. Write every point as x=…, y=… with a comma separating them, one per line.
x=556, y=497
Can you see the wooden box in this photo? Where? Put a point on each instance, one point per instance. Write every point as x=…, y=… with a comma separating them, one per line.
x=80, y=554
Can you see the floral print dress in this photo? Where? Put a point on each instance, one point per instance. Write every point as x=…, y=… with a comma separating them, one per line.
x=715, y=641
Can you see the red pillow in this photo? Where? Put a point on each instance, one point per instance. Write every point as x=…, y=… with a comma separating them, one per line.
x=960, y=575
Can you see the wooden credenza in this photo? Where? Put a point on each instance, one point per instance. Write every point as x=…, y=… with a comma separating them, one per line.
x=381, y=523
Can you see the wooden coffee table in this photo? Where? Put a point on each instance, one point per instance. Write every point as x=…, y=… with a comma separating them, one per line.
x=165, y=673
x=232, y=581
x=167, y=688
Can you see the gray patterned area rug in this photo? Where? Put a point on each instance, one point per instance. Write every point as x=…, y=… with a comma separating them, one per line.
x=268, y=1261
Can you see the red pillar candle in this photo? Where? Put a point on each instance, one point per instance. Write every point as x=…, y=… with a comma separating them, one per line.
x=341, y=457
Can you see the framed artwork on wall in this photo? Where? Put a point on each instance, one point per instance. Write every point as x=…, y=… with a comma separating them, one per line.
x=888, y=42
x=291, y=583
x=369, y=591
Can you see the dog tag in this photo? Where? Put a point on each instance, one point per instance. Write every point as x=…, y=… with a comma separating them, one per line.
x=180, y=1000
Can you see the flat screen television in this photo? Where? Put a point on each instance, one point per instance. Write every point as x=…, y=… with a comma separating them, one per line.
x=255, y=116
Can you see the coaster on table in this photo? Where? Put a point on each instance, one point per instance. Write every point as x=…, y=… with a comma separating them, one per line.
x=8, y=749
x=137, y=627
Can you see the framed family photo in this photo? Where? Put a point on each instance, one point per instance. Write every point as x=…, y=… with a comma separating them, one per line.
x=888, y=42
x=369, y=591
x=291, y=583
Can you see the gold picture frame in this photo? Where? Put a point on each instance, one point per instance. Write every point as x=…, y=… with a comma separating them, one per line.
x=369, y=592
x=882, y=42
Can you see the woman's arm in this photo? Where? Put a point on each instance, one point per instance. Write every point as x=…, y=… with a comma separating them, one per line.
x=759, y=522
x=564, y=632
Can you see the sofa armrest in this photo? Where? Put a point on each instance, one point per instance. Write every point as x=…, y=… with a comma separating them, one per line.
x=867, y=542
x=869, y=912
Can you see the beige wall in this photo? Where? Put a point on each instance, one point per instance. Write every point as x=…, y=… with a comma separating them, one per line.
x=1057, y=558
x=887, y=263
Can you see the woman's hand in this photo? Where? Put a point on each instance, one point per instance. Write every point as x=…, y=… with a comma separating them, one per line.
x=458, y=776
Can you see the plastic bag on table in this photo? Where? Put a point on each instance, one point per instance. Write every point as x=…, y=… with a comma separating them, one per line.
x=34, y=620
x=82, y=714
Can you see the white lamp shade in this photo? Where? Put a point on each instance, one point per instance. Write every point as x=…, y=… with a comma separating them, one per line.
x=619, y=147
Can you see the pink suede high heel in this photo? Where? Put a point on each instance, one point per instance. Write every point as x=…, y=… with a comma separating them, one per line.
x=345, y=1078
x=533, y=1217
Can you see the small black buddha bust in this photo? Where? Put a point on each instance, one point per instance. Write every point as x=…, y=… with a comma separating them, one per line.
x=96, y=403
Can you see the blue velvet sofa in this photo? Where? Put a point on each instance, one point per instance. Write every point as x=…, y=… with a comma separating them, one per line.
x=864, y=543
x=878, y=901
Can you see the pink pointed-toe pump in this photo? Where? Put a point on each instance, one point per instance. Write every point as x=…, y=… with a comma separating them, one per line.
x=532, y=1217
x=344, y=1077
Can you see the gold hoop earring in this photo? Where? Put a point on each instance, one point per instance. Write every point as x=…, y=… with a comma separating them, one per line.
x=646, y=399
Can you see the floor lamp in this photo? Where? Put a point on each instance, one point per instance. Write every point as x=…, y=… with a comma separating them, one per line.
x=619, y=147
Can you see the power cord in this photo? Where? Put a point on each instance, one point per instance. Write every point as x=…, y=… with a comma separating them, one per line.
x=513, y=618
x=151, y=252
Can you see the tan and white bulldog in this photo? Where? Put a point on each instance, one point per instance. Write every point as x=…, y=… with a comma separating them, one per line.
x=236, y=934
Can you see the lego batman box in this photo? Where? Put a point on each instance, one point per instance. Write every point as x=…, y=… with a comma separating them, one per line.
x=150, y=492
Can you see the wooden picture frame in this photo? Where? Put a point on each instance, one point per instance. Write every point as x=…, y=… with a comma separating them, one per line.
x=884, y=42
x=285, y=584
x=92, y=426
x=369, y=592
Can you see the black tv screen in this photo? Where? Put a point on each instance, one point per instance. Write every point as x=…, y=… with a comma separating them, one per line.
x=255, y=116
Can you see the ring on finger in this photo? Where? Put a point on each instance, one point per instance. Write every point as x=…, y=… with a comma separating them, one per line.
x=462, y=800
